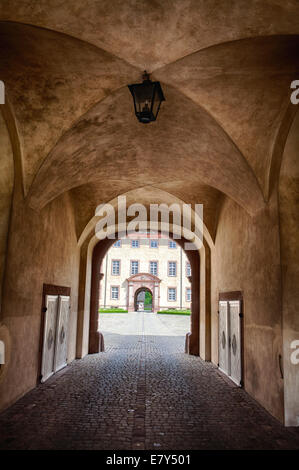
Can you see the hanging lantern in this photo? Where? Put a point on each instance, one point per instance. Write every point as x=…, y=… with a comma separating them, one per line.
x=147, y=97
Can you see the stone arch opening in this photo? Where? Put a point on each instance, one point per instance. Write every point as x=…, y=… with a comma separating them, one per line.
x=192, y=346
x=140, y=299
x=138, y=283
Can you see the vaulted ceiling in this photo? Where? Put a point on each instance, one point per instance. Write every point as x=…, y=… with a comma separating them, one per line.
x=225, y=68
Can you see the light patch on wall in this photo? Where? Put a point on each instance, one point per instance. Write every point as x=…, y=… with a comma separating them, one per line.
x=2, y=352
x=2, y=92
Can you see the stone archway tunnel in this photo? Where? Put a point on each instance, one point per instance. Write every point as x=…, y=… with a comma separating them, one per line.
x=226, y=137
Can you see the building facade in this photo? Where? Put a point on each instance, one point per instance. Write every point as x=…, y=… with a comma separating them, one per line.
x=140, y=272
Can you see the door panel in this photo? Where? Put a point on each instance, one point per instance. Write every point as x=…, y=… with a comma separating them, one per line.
x=47, y=368
x=60, y=360
x=224, y=364
x=230, y=347
x=235, y=336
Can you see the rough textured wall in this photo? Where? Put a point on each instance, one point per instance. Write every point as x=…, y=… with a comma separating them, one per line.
x=6, y=186
x=289, y=223
x=247, y=258
x=42, y=249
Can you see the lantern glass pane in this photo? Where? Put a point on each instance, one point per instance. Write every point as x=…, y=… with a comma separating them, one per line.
x=156, y=104
x=144, y=93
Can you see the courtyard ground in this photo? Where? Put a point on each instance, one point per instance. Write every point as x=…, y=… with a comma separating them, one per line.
x=143, y=392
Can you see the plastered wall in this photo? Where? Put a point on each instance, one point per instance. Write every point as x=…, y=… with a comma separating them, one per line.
x=6, y=187
x=247, y=258
x=42, y=249
x=289, y=223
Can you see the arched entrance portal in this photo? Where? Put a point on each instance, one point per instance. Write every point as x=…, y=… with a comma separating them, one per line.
x=143, y=300
x=91, y=340
x=140, y=284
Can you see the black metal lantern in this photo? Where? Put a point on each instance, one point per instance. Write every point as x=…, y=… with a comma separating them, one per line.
x=147, y=97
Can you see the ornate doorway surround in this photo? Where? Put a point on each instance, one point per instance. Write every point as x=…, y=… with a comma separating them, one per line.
x=146, y=281
x=140, y=300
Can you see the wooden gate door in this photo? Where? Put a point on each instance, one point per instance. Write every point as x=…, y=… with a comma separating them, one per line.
x=230, y=335
x=224, y=357
x=48, y=354
x=54, y=330
x=60, y=358
x=235, y=340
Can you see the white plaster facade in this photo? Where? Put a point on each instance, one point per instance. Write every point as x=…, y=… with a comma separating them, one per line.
x=172, y=266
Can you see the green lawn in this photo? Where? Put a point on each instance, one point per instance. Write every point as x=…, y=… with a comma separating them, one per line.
x=112, y=310
x=175, y=312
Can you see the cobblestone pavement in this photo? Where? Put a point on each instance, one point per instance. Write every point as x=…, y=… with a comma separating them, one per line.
x=142, y=393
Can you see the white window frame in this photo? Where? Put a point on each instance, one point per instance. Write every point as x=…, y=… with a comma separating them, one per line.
x=170, y=274
x=112, y=294
x=188, y=290
x=188, y=269
x=131, y=266
x=112, y=267
x=150, y=266
x=168, y=294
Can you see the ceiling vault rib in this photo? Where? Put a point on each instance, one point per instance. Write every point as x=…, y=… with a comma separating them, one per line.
x=14, y=136
x=221, y=153
x=221, y=43
x=75, y=38
x=226, y=134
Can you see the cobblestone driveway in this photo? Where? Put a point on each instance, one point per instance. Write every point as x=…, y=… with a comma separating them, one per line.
x=142, y=393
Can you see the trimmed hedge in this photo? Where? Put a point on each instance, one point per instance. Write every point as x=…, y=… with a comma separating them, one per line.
x=175, y=312
x=112, y=310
